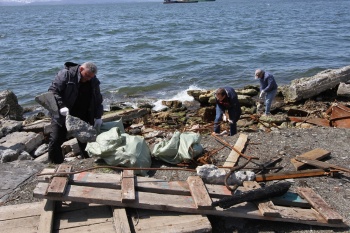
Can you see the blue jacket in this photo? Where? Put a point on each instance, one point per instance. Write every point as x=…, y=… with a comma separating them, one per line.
x=267, y=83
x=66, y=88
x=232, y=103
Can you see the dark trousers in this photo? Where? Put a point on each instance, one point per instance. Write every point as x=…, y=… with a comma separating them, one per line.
x=57, y=137
x=218, y=119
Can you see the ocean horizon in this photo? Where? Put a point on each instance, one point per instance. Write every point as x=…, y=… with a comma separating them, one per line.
x=153, y=51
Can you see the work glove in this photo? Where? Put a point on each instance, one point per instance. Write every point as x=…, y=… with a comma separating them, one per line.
x=64, y=111
x=224, y=118
x=97, y=125
x=262, y=94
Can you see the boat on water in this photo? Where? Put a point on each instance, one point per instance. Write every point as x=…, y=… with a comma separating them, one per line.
x=179, y=1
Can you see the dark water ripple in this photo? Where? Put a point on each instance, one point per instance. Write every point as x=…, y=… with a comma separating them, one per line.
x=152, y=50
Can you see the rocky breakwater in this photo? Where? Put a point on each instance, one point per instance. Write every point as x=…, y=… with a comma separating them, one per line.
x=26, y=138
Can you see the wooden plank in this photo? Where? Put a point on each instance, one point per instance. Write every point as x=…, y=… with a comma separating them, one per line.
x=267, y=208
x=315, y=154
x=233, y=156
x=28, y=224
x=120, y=220
x=180, y=203
x=20, y=218
x=128, y=186
x=151, y=221
x=102, y=227
x=46, y=217
x=20, y=211
x=199, y=192
x=320, y=205
x=89, y=217
x=289, y=175
x=58, y=184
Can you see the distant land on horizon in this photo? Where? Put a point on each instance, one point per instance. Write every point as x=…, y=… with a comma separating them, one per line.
x=63, y=2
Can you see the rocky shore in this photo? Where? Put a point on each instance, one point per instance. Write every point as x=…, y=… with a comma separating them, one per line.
x=301, y=113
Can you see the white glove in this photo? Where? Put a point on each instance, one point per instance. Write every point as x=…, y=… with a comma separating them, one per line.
x=230, y=121
x=64, y=111
x=262, y=93
x=97, y=125
x=224, y=117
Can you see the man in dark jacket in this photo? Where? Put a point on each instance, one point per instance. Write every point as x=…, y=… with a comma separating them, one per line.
x=77, y=92
x=227, y=100
x=268, y=88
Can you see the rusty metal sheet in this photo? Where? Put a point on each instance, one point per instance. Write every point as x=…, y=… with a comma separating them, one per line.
x=319, y=121
x=339, y=116
x=314, y=121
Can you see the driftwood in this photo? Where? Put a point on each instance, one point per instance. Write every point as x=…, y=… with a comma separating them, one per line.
x=254, y=195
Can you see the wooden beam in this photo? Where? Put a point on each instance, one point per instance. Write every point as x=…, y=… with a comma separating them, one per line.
x=199, y=192
x=120, y=220
x=46, y=217
x=315, y=154
x=239, y=146
x=58, y=184
x=128, y=186
x=267, y=208
x=320, y=164
x=320, y=205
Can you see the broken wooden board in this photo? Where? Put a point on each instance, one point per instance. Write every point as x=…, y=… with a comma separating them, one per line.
x=167, y=201
x=239, y=146
x=320, y=205
x=199, y=192
x=267, y=208
x=315, y=154
x=320, y=164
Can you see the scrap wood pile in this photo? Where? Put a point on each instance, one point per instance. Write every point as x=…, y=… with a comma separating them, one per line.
x=250, y=200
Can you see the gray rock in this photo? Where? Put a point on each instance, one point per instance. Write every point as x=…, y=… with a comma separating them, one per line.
x=81, y=130
x=343, y=90
x=8, y=155
x=25, y=156
x=9, y=126
x=9, y=106
x=48, y=101
x=41, y=150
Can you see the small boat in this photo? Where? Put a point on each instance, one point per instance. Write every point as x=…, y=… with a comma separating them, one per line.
x=179, y=1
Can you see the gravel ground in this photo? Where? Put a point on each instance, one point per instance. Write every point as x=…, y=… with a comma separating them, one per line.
x=286, y=143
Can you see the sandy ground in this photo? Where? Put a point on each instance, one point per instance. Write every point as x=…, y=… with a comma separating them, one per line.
x=286, y=143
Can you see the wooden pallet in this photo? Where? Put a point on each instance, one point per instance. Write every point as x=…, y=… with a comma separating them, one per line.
x=70, y=217
x=192, y=196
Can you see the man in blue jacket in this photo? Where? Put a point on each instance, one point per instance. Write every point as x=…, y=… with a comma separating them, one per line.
x=268, y=88
x=77, y=92
x=227, y=100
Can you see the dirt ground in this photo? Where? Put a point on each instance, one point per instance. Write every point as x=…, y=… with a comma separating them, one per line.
x=286, y=143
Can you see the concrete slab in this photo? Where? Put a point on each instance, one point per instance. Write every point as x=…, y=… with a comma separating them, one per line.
x=14, y=174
